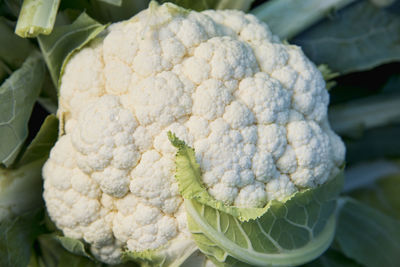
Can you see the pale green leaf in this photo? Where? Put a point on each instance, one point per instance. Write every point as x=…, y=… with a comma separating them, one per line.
x=197, y=259
x=359, y=37
x=291, y=232
x=37, y=17
x=74, y=246
x=18, y=95
x=171, y=255
x=287, y=18
x=328, y=75
x=58, y=47
x=188, y=175
x=367, y=235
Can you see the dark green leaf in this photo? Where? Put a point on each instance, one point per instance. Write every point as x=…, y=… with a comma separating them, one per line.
x=383, y=194
x=287, y=18
x=332, y=258
x=71, y=260
x=376, y=143
x=17, y=236
x=45, y=139
x=21, y=187
x=58, y=47
x=358, y=37
x=52, y=254
x=37, y=17
x=365, y=174
x=14, y=50
x=106, y=12
x=392, y=85
x=362, y=114
x=48, y=97
x=212, y=4
x=112, y=2
x=367, y=235
x=18, y=95
x=10, y=8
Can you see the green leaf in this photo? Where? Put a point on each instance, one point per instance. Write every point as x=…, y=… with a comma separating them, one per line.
x=112, y=2
x=59, y=46
x=243, y=5
x=17, y=236
x=287, y=18
x=74, y=246
x=383, y=3
x=352, y=117
x=10, y=8
x=365, y=174
x=368, y=236
x=377, y=143
x=37, y=17
x=51, y=254
x=21, y=197
x=380, y=190
x=18, y=94
x=290, y=232
x=21, y=188
x=71, y=260
x=188, y=174
x=392, y=85
x=332, y=258
x=106, y=12
x=328, y=75
x=14, y=50
x=212, y=4
x=357, y=38
x=44, y=140
x=48, y=97
x=172, y=255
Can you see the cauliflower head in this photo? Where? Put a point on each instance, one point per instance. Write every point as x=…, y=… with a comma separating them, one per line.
x=253, y=108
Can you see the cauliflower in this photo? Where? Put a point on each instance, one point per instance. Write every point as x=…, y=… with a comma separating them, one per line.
x=254, y=110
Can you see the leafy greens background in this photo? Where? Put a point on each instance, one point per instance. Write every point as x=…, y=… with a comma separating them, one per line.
x=358, y=41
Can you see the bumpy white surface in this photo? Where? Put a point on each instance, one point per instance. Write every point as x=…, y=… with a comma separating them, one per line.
x=254, y=109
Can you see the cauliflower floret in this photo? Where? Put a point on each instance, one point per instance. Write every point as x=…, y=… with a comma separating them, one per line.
x=254, y=109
